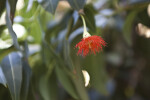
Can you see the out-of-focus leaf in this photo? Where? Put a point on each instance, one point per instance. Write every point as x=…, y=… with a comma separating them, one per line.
x=48, y=87
x=89, y=17
x=45, y=18
x=5, y=52
x=66, y=82
x=26, y=49
x=75, y=34
x=12, y=68
x=2, y=6
x=77, y=79
x=133, y=2
x=26, y=79
x=67, y=54
x=94, y=65
x=75, y=16
x=9, y=25
x=46, y=56
x=49, y=5
x=29, y=6
x=2, y=77
x=35, y=31
x=2, y=27
x=144, y=17
x=29, y=13
x=127, y=28
x=26, y=73
x=12, y=8
x=56, y=28
x=77, y=4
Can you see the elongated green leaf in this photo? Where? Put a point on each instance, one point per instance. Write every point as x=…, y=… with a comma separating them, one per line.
x=89, y=17
x=49, y=5
x=67, y=54
x=66, y=82
x=12, y=8
x=26, y=79
x=48, y=87
x=2, y=77
x=9, y=25
x=77, y=4
x=12, y=68
x=127, y=28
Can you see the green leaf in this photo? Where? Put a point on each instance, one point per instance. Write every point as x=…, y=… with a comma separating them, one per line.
x=5, y=52
x=48, y=87
x=95, y=66
x=2, y=77
x=26, y=79
x=12, y=68
x=77, y=4
x=56, y=28
x=67, y=54
x=127, y=28
x=89, y=18
x=10, y=29
x=78, y=81
x=49, y=5
x=30, y=12
x=66, y=82
x=35, y=31
x=2, y=27
x=12, y=7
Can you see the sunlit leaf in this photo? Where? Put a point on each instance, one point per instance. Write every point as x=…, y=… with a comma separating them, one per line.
x=12, y=68
x=77, y=4
x=2, y=27
x=35, y=31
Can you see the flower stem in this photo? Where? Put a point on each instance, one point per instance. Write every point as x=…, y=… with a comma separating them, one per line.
x=85, y=33
x=84, y=24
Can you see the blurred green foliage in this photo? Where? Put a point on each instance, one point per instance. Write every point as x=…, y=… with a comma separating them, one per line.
x=43, y=65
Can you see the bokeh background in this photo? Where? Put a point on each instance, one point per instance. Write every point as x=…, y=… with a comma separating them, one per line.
x=48, y=68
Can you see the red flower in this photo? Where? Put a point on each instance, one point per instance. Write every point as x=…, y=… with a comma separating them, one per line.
x=91, y=44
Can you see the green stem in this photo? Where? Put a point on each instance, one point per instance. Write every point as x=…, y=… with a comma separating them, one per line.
x=85, y=32
x=84, y=24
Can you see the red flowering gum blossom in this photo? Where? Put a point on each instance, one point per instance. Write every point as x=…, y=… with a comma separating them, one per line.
x=91, y=44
